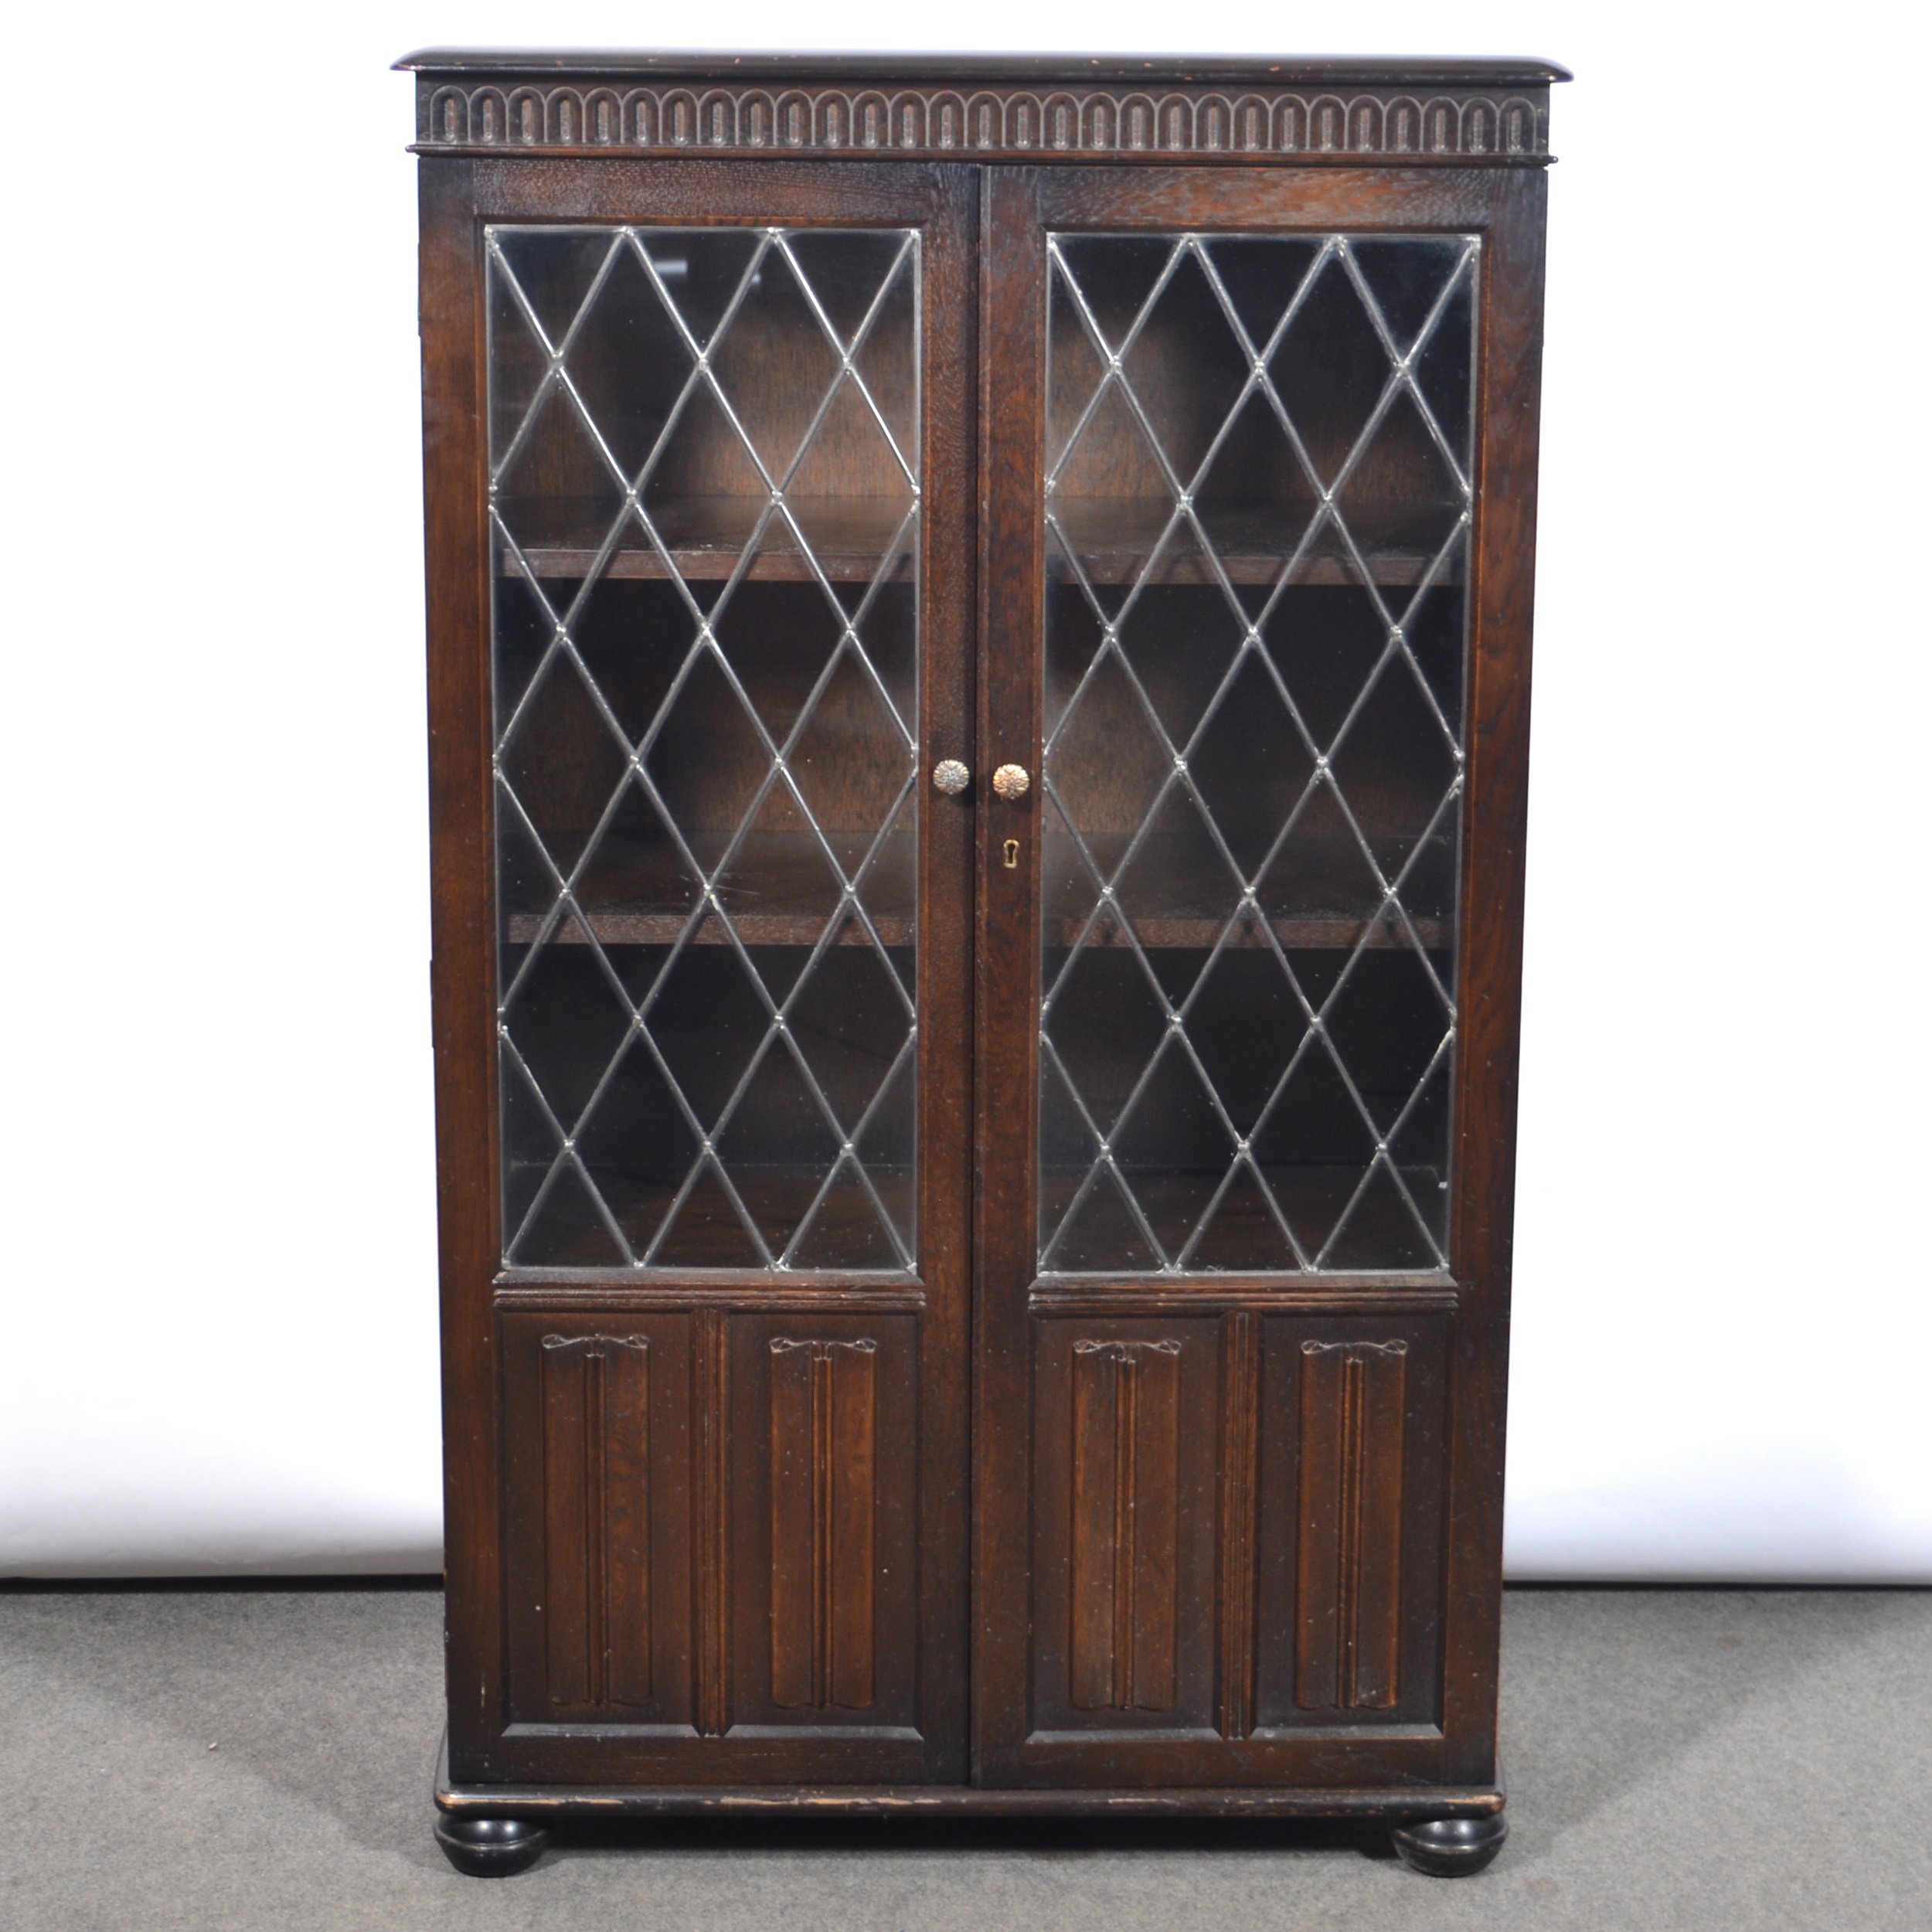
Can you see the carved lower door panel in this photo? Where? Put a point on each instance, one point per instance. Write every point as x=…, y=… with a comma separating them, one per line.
x=1349, y=1499
x=601, y=1487
x=712, y=1560
x=1236, y=1544
x=1124, y=1544
x=1237, y=1215
x=822, y=1536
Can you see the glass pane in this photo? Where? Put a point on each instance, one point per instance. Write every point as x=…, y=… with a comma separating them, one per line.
x=1257, y=513
x=704, y=470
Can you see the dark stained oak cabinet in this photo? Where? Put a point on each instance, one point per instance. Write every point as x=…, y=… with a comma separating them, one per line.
x=979, y=626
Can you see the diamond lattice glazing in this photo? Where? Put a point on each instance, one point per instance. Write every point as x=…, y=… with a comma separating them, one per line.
x=1259, y=497
x=704, y=502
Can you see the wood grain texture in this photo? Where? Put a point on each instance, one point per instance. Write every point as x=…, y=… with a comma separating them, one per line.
x=710, y=1718
x=1348, y=1530
x=597, y=1516
x=823, y=1464
x=1234, y=1542
x=599, y=1553
x=1124, y=1532
x=1406, y=1640
x=1348, y=1616
x=1502, y=593
x=451, y=324
x=825, y=1555
x=1240, y=1476
x=711, y=1444
x=1126, y=1497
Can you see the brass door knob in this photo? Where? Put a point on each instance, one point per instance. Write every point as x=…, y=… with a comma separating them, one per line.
x=1010, y=781
x=950, y=777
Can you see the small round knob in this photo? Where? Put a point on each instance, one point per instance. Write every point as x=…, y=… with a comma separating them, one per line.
x=1010, y=781
x=950, y=777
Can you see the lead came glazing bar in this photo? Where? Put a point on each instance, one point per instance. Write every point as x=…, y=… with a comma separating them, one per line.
x=1259, y=498
x=705, y=507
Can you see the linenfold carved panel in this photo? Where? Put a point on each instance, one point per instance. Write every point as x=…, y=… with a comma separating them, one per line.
x=1123, y=125
x=1124, y=1610
x=1349, y=1552
x=1126, y=1467
x=824, y=1440
x=596, y=1456
x=1347, y=1569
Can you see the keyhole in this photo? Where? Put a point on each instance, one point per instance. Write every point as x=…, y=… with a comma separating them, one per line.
x=1012, y=854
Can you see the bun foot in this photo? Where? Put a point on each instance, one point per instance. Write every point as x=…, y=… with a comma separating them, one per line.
x=491, y=1848
x=1450, y=1848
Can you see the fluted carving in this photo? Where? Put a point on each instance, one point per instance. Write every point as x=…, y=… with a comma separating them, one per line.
x=1195, y=123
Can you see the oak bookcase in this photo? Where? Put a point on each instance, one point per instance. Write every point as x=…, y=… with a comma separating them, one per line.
x=979, y=630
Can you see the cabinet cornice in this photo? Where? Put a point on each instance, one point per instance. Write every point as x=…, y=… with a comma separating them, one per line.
x=1430, y=114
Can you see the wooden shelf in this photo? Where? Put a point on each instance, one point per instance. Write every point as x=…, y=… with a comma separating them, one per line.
x=1244, y=1235
x=710, y=1235
x=1112, y=537
x=1172, y=907
x=778, y=892
x=1317, y=933
x=850, y=536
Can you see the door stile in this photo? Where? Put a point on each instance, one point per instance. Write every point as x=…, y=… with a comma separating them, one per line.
x=947, y=1064
x=1510, y=342
x=1013, y=383
x=450, y=325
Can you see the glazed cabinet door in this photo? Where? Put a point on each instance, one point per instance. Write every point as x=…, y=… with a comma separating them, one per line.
x=701, y=561
x=1255, y=591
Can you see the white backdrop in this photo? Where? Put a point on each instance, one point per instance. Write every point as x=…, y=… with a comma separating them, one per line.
x=217, y=1283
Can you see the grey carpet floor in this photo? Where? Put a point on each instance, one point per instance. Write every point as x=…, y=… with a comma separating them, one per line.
x=217, y=1759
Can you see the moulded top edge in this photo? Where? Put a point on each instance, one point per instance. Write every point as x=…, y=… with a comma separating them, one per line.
x=1046, y=68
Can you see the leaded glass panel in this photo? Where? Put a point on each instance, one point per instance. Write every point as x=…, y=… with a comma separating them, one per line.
x=705, y=503
x=1257, y=511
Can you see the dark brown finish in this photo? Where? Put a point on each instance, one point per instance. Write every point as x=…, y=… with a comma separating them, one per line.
x=1449, y=1848
x=724, y=1539
x=596, y=1518
x=1404, y=1734
x=824, y=1460
x=584, y=1802
x=1348, y=1527
x=917, y=70
x=597, y=1419
x=709, y=1708
x=1156, y=109
x=491, y=1848
x=1126, y=1506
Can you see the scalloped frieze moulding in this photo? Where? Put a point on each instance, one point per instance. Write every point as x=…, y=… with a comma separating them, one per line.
x=1195, y=122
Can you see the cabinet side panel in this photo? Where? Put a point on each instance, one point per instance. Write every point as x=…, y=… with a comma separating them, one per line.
x=450, y=323
x=1502, y=597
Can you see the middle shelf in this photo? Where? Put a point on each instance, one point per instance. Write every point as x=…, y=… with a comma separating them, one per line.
x=1110, y=539
x=779, y=890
